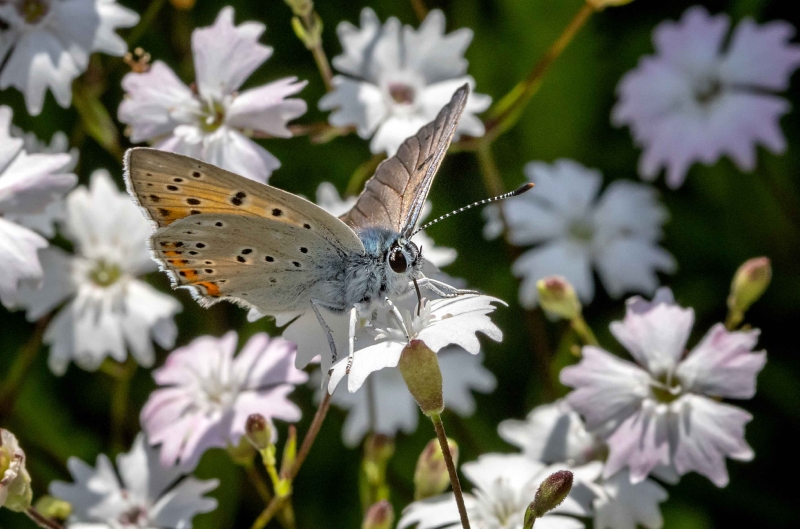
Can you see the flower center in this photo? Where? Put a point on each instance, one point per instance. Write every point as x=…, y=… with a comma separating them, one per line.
x=105, y=274
x=33, y=11
x=665, y=389
x=707, y=90
x=136, y=516
x=213, y=117
x=402, y=94
x=582, y=230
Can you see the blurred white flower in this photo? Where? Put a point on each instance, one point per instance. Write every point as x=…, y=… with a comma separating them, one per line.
x=575, y=230
x=504, y=486
x=441, y=322
x=107, y=309
x=49, y=42
x=664, y=410
x=213, y=120
x=15, y=482
x=29, y=185
x=145, y=495
x=554, y=433
x=705, y=94
x=396, y=410
x=206, y=394
x=396, y=79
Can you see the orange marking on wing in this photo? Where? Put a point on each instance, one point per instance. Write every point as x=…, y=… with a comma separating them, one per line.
x=189, y=274
x=211, y=288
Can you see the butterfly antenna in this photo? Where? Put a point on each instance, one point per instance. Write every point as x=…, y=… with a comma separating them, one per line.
x=518, y=191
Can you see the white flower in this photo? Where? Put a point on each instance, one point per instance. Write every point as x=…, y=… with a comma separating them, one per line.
x=396, y=410
x=213, y=121
x=396, y=79
x=15, y=482
x=48, y=43
x=617, y=233
x=554, y=433
x=207, y=394
x=145, y=495
x=706, y=94
x=441, y=322
x=664, y=410
x=107, y=309
x=504, y=486
x=29, y=184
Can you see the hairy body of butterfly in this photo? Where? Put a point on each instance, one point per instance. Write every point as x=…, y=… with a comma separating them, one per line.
x=226, y=237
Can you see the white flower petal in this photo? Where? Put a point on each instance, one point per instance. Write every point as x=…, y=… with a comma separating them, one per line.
x=266, y=108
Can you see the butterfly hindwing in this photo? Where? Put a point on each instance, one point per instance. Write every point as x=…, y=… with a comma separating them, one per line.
x=394, y=196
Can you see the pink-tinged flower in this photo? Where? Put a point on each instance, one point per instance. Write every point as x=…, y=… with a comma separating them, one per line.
x=208, y=394
x=664, y=409
x=29, y=185
x=213, y=120
x=705, y=95
x=396, y=79
x=144, y=495
x=49, y=42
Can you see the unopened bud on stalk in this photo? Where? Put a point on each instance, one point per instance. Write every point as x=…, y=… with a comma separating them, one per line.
x=300, y=8
x=289, y=451
x=558, y=298
x=258, y=431
x=182, y=4
x=15, y=482
x=553, y=490
x=420, y=368
x=379, y=516
x=53, y=508
x=378, y=447
x=431, y=476
x=749, y=283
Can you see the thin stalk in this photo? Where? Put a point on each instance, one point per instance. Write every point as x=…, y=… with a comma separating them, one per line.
x=420, y=9
x=583, y=330
x=147, y=19
x=42, y=520
x=258, y=482
x=119, y=401
x=267, y=514
x=372, y=404
x=438, y=425
x=21, y=367
x=324, y=66
x=734, y=319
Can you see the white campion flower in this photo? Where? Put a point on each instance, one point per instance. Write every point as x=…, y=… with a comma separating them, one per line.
x=396, y=410
x=29, y=185
x=213, y=120
x=504, y=486
x=396, y=79
x=144, y=495
x=664, y=410
x=555, y=433
x=706, y=94
x=206, y=394
x=575, y=231
x=15, y=482
x=48, y=44
x=106, y=309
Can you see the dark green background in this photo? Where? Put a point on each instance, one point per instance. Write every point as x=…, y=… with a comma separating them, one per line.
x=720, y=217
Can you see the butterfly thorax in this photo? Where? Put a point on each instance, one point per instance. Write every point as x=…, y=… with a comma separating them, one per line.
x=386, y=269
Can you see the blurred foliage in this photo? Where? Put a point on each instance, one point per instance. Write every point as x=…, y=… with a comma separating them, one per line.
x=719, y=218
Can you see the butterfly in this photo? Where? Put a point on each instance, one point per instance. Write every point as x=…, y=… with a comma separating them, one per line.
x=224, y=236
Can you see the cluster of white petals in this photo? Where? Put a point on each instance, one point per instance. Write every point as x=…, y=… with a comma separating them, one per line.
x=30, y=184
x=212, y=120
x=206, y=394
x=46, y=44
x=106, y=309
x=144, y=495
x=396, y=79
x=664, y=410
x=706, y=94
x=575, y=231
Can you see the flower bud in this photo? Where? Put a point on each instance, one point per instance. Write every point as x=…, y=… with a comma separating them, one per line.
x=300, y=8
x=558, y=298
x=431, y=476
x=379, y=516
x=553, y=490
x=182, y=4
x=749, y=283
x=15, y=482
x=258, y=431
x=242, y=454
x=420, y=368
x=289, y=451
x=53, y=508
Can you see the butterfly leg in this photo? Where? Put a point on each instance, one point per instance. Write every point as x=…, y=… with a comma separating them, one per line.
x=398, y=317
x=351, y=338
x=315, y=304
x=444, y=290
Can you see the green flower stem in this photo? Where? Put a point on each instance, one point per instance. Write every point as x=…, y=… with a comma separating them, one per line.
x=267, y=514
x=9, y=391
x=149, y=16
x=438, y=425
x=583, y=330
x=42, y=520
x=122, y=374
x=258, y=482
x=420, y=9
x=734, y=318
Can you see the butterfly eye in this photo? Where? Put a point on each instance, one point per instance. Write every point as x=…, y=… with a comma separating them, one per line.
x=398, y=262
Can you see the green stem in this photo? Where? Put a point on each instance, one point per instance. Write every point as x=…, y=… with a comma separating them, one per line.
x=420, y=9
x=438, y=425
x=119, y=401
x=267, y=514
x=21, y=366
x=734, y=319
x=258, y=482
x=147, y=19
x=583, y=330
x=42, y=520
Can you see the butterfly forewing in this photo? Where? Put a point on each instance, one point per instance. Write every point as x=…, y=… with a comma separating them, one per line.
x=394, y=196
